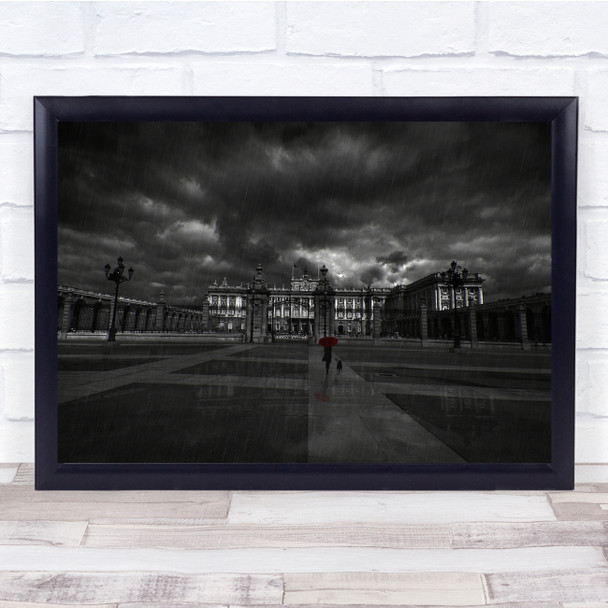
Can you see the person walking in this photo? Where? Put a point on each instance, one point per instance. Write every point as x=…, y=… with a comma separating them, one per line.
x=327, y=358
x=339, y=366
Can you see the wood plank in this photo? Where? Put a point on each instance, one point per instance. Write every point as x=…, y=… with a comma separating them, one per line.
x=350, y=605
x=301, y=508
x=575, y=585
x=336, y=559
x=20, y=502
x=534, y=534
x=102, y=588
x=591, y=473
x=25, y=474
x=589, y=487
x=583, y=511
x=8, y=472
x=378, y=588
x=55, y=533
x=10, y=604
x=246, y=536
x=578, y=497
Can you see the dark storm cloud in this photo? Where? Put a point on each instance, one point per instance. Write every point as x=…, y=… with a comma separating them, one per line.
x=378, y=203
x=394, y=260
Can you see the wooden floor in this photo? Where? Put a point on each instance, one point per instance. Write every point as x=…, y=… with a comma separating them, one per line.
x=178, y=549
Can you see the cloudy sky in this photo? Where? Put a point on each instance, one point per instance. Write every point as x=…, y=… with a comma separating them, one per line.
x=378, y=203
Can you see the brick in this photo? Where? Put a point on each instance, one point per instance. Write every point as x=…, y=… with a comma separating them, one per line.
x=380, y=29
x=20, y=84
x=207, y=27
x=16, y=441
x=17, y=316
x=286, y=79
x=596, y=100
x=548, y=28
x=18, y=385
x=16, y=169
x=596, y=234
x=478, y=81
x=591, y=382
x=591, y=433
x=17, y=243
x=592, y=173
x=42, y=28
x=592, y=320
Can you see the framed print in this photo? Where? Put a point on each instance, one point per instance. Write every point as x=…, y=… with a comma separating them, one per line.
x=305, y=293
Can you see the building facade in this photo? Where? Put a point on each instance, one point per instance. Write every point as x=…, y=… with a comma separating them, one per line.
x=310, y=306
x=431, y=294
x=434, y=308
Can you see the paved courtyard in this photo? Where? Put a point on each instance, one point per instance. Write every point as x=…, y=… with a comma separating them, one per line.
x=167, y=402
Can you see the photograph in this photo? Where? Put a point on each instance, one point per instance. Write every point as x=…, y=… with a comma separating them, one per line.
x=304, y=292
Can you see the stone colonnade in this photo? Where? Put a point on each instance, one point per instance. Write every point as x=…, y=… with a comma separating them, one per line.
x=524, y=321
x=80, y=311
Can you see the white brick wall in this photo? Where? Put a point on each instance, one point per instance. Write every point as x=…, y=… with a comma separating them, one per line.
x=300, y=48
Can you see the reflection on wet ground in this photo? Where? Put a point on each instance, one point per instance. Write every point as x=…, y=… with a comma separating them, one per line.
x=104, y=364
x=541, y=381
x=169, y=423
x=274, y=403
x=484, y=429
x=270, y=368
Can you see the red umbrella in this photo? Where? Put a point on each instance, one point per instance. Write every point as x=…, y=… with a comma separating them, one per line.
x=328, y=341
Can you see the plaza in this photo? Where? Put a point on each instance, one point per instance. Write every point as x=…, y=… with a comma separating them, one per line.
x=163, y=401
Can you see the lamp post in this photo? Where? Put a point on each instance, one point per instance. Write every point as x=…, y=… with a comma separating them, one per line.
x=456, y=278
x=118, y=276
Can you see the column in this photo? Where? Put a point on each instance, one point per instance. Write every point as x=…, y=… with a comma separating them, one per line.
x=259, y=317
x=523, y=327
x=248, y=337
x=424, y=325
x=331, y=315
x=66, y=318
x=376, y=320
x=160, y=314
x=205, y=319
x=473, y=326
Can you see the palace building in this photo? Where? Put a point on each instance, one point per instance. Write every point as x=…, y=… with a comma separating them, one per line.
x=310, y=306
x=441, y=306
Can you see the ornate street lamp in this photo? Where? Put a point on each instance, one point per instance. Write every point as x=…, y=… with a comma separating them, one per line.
x=118, y=276
x=456, y=278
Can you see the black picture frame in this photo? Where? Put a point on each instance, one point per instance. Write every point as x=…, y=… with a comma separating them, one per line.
x=561, y=112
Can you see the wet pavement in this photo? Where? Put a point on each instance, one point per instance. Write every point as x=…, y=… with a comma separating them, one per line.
x=274, y=403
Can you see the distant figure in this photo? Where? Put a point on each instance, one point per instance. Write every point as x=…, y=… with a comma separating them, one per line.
x=327, y=358
x=339, y=366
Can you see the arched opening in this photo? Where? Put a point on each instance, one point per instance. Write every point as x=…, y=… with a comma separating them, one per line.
x=96, y=325
x=493, y=326
x=77, y=315
x=481, y=334
x=138, y=319
x=148, y=325
x=509, y=321
x=125, y=315
x=446, y=328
